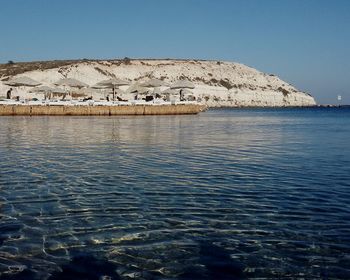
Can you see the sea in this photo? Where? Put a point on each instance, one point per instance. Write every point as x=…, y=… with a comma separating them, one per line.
x=225, y=194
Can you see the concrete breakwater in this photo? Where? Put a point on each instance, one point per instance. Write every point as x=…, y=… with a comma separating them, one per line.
x=62, y=110
x=216, y=83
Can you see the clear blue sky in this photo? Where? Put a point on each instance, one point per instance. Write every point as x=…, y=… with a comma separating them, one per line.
x=305, y=42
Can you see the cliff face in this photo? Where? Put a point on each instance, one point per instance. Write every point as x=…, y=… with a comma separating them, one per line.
x=217, y=83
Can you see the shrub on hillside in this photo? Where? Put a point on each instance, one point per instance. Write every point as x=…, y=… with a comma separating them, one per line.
x=126, y=60
x=226, y=84
x=283, y=90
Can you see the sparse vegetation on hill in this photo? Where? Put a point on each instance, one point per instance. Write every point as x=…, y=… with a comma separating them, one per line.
x=216, y=83
x=11, y=69
x=283, y=90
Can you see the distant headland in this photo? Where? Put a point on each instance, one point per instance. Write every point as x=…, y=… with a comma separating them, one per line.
x=215, y=83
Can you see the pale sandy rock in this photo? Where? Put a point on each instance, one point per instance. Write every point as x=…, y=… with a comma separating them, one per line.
x=217, y=83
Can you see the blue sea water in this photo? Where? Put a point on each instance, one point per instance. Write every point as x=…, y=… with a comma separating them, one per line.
x=226, y=194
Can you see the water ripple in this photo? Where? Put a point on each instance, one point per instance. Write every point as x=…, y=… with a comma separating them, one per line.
x=226, y=194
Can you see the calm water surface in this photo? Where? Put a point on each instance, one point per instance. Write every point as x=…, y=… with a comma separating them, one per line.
x=227, y=194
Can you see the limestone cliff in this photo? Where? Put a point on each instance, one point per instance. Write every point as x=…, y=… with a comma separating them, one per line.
x=217, y=83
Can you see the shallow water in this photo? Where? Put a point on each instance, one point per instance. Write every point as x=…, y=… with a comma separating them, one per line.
x=227, y=194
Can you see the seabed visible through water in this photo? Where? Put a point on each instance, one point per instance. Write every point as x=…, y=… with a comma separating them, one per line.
x=226, y=194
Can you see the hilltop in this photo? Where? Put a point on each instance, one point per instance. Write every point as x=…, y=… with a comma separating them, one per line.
x=217, y=83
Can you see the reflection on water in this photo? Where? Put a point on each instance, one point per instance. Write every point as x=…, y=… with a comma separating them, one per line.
x=227, y=194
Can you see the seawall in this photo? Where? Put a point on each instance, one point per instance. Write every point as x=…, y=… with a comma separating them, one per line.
x=64, y=110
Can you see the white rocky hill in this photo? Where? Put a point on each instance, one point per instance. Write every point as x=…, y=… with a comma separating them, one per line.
x=216, y=83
